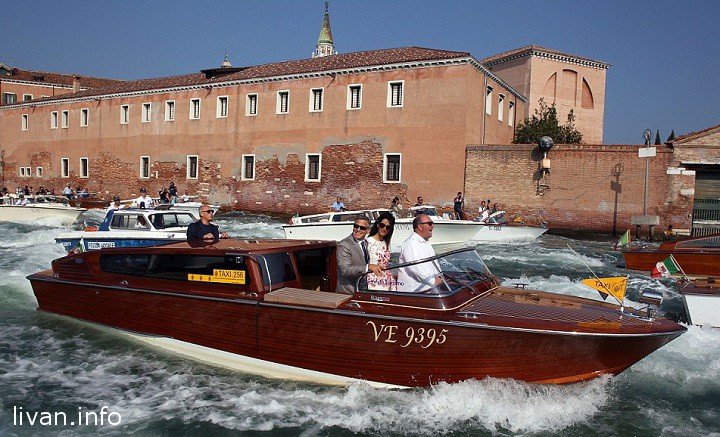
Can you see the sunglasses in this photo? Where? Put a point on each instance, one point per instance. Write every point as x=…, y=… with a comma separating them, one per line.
x=209, y=211
x=362, y=228
x=383, y=226
x=427, y=223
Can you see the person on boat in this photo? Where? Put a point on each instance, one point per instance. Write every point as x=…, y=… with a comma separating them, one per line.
x=483, y=212
x=67, y=192
x=22, y=200
x=458, y=206
x=495, y=208
x=144, y=201
x=172, y=191
x=423, y=276
x=163, y=195
x=353, y=258
x=185, y=197
x=338, y=205
x=203, y=229
x=115, y=204
x=379, y=252
x=420, y=201
x=141, y=223
x=395, y=206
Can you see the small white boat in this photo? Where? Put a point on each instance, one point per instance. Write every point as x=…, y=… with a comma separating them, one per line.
x=38, y=208
x=338, y=225
x=130, y=227
x=702, y=300
x=498, y=228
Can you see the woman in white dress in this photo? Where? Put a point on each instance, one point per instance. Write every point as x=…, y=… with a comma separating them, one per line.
x=379, y=251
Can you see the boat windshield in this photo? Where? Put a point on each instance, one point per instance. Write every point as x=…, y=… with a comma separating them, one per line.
x=439, y=275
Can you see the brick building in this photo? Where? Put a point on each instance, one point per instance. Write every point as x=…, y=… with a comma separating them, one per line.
x=17, y=85
x=367, y=126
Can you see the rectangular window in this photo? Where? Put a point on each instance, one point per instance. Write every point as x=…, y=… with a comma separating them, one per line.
x=54, y=120
x=251, y=104
x=316, y=100
x=22, y=172
x=124, y=114
x=170, y=110
x=192, y=167
x=354, y=96
x=222, y=106
x=144, y=167
x=395, y=94
x=313, y=163
x=194, y=109
x=391, y=172
x=511, y=114
x=65, y=167
x=248, y=169
x=488, y=100
x=83, y=167
x=147, y=112
x=27, y=97
x=38, y=172
x=65, y=119
x=501, y=101
x=84, y=117
x=283, y=102
x=8, y=98
x=24, y=122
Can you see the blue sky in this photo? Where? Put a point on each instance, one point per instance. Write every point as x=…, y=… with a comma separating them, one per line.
x=665, y=54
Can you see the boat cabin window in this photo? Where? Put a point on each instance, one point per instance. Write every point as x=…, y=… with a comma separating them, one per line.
x=194, y=268
x=315, y=219
x=280, y=267
x=163, y=221
x=348, y=217
x=126, y=221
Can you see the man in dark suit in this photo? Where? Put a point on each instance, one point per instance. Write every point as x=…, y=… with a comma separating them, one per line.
x=352, y=257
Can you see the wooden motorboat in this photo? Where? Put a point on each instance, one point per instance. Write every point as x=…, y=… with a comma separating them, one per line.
x=702, y=300
x=38, y=208
x=130, y=227
x=696, y=256
x=269, y=307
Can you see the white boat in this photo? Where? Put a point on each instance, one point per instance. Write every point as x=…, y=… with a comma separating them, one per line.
x=38, y=208
x=338, y=225
x=498, y=228
x=702, y=300
x=130, y=227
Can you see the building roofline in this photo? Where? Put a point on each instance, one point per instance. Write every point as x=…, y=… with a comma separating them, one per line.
x=200, y=81
x=533, y=50
x=682, y=139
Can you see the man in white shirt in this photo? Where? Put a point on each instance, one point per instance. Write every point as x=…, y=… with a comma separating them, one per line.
x=115, y=204
x=22, y=200
x=422, y=276
x=144, y=201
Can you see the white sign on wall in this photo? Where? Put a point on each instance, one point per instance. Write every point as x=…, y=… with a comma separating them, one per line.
x=646, y=152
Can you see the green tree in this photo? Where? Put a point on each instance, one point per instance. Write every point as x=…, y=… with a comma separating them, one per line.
x=671, y=137
x=657, y=138
x=545, y=122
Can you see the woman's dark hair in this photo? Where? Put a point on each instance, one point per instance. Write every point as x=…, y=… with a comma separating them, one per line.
x=384, y=216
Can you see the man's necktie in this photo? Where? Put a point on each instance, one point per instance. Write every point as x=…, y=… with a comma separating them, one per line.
x=365, y=251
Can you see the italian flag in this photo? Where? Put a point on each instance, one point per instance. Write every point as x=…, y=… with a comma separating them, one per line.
x=666, y=267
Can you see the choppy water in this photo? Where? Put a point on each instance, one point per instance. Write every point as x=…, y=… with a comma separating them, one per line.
x=57, y=365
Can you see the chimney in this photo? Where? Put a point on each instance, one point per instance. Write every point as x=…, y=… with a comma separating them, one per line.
x=76, y=83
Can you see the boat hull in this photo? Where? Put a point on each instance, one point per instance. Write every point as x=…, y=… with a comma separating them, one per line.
x=31, y=212
x=90, y=241
x=504, y=232
x=349, y=344
x=693, y=263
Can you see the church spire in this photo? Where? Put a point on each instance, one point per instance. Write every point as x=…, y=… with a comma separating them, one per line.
x=325, y=45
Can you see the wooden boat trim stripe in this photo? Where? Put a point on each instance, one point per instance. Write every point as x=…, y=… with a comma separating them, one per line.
x=363, y=314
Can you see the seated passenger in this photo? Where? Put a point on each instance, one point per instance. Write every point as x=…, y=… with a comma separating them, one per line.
x=141, y=222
